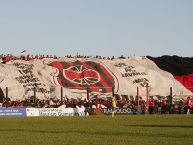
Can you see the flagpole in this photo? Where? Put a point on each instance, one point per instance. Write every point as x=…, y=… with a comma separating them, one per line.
x=113, y=103
x=147, y=98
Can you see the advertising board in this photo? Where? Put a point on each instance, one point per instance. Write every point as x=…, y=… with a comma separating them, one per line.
x=12, y=111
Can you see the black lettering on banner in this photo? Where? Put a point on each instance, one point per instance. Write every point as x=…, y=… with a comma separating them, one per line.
x=28, y=79
x=142, y=81
x=120, y=65
x=130, y=71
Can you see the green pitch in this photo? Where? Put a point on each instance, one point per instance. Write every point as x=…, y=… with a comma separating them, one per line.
x=98, y=130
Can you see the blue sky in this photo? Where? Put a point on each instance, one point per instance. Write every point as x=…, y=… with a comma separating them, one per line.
x=103, y=27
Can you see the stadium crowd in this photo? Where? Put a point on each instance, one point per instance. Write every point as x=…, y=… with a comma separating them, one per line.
x=8, y=57
x=153, y=106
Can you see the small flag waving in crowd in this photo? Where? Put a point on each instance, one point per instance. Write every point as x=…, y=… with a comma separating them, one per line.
x=23, y=51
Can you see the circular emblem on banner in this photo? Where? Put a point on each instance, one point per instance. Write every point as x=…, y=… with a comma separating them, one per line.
x=81, y=75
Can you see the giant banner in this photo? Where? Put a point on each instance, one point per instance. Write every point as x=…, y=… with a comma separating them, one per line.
x=98, y=76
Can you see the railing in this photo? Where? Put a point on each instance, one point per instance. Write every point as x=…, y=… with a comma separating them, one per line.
x=137, y=99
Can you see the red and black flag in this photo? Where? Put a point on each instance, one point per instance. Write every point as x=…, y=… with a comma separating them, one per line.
x=180, y=67
x=82, y=74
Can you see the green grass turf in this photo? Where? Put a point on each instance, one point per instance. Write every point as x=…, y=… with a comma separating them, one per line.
x=97, y=130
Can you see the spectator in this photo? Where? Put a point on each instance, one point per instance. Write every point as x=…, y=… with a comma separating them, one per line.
x=189, y=104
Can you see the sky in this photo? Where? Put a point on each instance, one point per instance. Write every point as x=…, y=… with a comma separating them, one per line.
x=97, y=27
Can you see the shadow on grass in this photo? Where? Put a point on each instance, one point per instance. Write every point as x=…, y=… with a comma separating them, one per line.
x=29, y=130
x=164, y=126
x=106, y=133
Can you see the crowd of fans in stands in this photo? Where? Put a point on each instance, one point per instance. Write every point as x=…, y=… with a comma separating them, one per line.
x=28, y=57
x=153, y=106
x=9, y=57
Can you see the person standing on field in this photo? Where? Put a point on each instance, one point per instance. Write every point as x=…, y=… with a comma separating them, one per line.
x=189, y=104
x=159, y=104
x=113, y=106
x=87, y=108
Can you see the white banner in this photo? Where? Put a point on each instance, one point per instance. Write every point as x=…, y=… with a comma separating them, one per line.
x=32, y=111
x=49, y=75
x=55, y=111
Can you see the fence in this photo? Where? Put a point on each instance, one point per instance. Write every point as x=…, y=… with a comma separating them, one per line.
x=86, y=93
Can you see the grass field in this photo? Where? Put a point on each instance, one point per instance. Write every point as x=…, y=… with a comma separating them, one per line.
x=97, y=130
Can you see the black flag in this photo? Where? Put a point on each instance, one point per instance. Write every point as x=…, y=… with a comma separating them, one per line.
x=23, y=51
